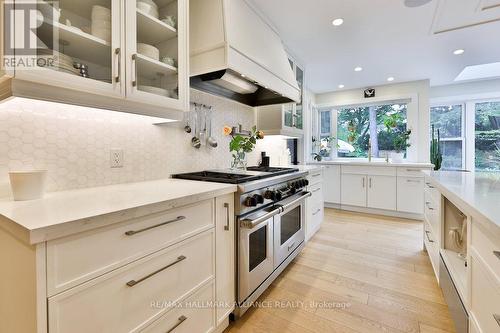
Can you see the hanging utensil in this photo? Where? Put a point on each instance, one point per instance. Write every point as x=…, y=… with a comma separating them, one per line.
x=195, y=141
x=187, y=128
x=203, y=124
x=212, y=142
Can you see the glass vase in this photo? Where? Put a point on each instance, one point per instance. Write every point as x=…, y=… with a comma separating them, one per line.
x=239, y=161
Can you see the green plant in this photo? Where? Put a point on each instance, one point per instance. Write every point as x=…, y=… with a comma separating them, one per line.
x=401, y=140
x=436, y=155
x=241, y=144
x=392, y=121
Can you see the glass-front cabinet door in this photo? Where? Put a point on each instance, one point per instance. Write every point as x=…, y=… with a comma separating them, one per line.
x=299, y=108
x=156, y=46
x=78, y=45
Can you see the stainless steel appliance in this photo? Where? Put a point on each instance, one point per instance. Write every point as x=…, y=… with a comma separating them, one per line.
x=270, y=216
x=452, y=298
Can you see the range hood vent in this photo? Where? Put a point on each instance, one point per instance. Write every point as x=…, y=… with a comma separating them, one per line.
x=235, y=54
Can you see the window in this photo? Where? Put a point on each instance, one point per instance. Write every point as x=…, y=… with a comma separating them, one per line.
x=470, y=134
x=359, y=126
x=487, y=136
x=448, y=119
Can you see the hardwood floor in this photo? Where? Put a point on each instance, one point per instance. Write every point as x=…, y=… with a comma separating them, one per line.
x=359, y=274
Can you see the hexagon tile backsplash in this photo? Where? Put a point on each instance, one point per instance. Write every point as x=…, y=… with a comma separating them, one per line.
x=73, y=143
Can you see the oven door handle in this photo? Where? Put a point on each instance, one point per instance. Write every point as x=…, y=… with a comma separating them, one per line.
x=294, y=202
x=250, y=224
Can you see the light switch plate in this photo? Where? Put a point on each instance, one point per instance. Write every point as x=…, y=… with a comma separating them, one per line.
x=116, y=158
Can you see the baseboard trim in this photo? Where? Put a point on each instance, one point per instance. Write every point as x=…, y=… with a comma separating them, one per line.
x=411, y=216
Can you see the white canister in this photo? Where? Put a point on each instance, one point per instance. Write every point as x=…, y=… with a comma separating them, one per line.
x=28, y=185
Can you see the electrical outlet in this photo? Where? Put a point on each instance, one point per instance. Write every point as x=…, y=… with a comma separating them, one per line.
x=116, y=158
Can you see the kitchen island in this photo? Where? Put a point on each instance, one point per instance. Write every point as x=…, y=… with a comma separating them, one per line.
x=118, y=258
x=462, y=237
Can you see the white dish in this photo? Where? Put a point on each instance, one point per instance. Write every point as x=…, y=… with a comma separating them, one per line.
x=28, y=185
x=155, y=90
x=100, y=13
x=148, y=50
x=48, y=12
x=148, y=9
x=102, y=33
x=151, y=3
x=101, y=24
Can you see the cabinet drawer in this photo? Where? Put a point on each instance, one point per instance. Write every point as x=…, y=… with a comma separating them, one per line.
x=368, y=170
x=79, y=258
x=316, y=198
x=485, y=298
x=432, y=247
x=315, y=177
x=194, y=314
x=432, y=190
x=410, y=172
x=410, y=197
x=123, y=300
x=487, y=248
x=432, y=212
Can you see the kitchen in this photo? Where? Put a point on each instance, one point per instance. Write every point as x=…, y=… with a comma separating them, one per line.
x=212, y=165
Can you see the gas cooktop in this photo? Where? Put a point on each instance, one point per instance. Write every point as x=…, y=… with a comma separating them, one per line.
x=235, y=177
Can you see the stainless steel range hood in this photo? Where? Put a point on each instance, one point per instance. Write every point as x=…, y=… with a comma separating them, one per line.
x=235, y=54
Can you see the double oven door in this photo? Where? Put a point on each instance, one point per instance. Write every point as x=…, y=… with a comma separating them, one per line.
x=266, y=239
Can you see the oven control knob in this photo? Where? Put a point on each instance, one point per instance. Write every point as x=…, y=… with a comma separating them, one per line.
x=259, y=198
x=306, y=182
x=250, y=202
x=293, y=189
x=270, y=195
x=278, y=196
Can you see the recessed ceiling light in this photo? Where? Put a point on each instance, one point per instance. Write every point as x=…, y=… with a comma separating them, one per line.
x=358, y=69
x=337, y=22
x=243, y=75
x=341, y=86
x=416, y=3
x=459, y=52
x=390, y=79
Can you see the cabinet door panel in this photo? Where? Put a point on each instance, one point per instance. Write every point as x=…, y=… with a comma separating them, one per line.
x=410, y=195
x=331, y=180
x=382, y=192
x=224, y=262
x=353, y=190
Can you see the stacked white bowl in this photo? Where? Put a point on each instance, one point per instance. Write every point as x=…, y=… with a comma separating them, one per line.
x=149, y=7
x=101, y=22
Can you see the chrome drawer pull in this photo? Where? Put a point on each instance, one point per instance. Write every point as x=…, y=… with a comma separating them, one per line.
x=133, y=232
x=429, y=185
x=316, y=175
x=428, y=205
x=497, y=318
x=316, y=190
x=412, y=181
x=180, y=321
x=132, y=283
x=316, y=212
x=226, y=206
x=427, y=234
x=291, y=246
x=497, y=254
x=412, y=170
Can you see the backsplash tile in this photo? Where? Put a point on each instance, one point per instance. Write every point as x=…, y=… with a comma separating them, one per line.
x=73, y=143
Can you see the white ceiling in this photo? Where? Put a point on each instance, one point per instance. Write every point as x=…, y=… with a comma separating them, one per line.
x=385, y=38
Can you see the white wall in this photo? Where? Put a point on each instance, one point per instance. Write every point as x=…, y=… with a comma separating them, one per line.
x=466, y=91
x=74, y=143
x=418, y=109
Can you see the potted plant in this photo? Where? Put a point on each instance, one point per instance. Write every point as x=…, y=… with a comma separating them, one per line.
x=351, y=126
x=241, y=145
x=400, y=143
x=436, y=156
x=325, y=147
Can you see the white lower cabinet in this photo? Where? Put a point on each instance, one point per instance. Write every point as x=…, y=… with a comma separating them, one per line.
x=331, y=179
x=314, y=204
x=381, y=192
x=353, y=190
x=123, y=300
x=224, y=257
x=410, y=198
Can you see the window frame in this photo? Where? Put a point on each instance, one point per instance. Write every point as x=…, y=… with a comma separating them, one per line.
x=463, y=130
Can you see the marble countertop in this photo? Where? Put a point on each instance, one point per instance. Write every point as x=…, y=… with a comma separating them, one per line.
x=64, y=213
x=373, y=163
x=477, y=193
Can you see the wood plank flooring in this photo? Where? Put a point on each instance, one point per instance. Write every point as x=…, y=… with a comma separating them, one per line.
x=359, y=274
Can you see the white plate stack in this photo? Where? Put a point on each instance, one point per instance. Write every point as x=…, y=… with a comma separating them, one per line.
x=149, y=7
x=101, y=22
x=62, y=62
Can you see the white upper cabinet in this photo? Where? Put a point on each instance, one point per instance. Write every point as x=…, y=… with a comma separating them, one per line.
x=121, y=55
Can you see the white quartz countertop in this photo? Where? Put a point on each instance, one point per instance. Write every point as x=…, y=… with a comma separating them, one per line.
x=63, y=213
x=477, y=193
x=308, y=168
x=374, y=163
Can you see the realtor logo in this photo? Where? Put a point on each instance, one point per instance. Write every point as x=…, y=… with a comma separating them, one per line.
x=29, y=34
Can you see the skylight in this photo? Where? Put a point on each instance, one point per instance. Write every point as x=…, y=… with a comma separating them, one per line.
x=478, y=72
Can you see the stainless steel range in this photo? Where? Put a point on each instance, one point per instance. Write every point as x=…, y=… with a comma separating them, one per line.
x=270, y=216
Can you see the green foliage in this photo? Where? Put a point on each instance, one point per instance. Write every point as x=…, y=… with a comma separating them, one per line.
x=436, y=156
x=245, y=144
x=401, y=140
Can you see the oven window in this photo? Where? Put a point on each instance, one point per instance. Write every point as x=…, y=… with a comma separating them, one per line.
x=290, y=224
x=257, y=247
